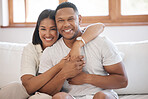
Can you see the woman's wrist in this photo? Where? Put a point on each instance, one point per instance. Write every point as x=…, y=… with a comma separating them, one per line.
x=78, y=44
x=59, y=66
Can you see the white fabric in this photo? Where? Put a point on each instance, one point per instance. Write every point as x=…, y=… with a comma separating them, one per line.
x=136, y=65
x=13, y=90
x=97, y=53
x=134, y=96
x=135, y=59
x=10, y=60
x=39, y=95
x=31, y=59
x=92, y=95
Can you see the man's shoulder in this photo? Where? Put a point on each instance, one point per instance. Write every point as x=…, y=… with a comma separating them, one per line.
x=100, y=40
x=58, y=43
x=100, y=43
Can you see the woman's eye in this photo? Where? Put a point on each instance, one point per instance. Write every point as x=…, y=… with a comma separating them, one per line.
x=53, y=29
x=43, y=29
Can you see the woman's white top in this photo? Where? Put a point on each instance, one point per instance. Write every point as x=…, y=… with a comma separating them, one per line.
x=31, y=59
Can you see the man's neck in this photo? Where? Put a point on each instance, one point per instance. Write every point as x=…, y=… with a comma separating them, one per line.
x=69, y=43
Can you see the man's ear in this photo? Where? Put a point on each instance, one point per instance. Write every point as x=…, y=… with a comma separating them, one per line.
x=80, y=19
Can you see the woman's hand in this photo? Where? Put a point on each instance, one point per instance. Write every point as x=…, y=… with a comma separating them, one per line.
x=63, y=61
x=73, y=67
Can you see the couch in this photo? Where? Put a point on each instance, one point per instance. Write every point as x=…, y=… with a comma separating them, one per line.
x=135, y=58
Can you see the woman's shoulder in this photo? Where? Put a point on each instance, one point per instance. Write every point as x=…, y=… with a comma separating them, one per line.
x=29, y=46
x=33, y=47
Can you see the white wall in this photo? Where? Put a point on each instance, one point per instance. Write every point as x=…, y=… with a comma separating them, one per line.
x=115, y=33
x=16, y=35
x=0, y=12
x=126, y=33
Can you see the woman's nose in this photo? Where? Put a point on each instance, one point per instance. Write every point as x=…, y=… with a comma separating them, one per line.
x=48, y=32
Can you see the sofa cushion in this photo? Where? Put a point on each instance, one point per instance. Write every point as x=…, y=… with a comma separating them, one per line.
x=136, y=65
x=10, y=58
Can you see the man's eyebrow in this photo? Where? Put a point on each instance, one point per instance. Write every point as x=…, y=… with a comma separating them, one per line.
x=71, y=17
x=59, y=18
x=68, y=17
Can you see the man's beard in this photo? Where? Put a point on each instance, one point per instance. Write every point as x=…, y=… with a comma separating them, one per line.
x=75, y=35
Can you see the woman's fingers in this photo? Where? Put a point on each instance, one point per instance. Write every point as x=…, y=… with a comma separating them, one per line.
x=67, y=57
x=78, y=58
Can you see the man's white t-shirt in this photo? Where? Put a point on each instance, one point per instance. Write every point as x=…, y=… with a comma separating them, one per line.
x=98, y=53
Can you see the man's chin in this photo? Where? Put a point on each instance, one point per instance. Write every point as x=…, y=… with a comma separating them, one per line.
x=67, y=38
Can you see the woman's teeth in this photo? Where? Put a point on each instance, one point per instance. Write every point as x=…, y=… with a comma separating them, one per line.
x=48, y=39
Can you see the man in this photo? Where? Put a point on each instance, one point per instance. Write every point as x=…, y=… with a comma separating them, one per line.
x=103, y=70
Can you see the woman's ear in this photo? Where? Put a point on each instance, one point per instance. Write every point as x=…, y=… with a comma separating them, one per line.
x=80, y=19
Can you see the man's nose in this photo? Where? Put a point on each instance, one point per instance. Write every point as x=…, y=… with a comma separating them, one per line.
x=66, y=23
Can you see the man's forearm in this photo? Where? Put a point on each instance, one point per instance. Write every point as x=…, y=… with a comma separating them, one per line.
x=113, y=81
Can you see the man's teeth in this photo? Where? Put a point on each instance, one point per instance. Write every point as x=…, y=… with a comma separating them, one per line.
x=67, y=30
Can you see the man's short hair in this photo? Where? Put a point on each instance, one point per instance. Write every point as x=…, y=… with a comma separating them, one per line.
x=67, y=5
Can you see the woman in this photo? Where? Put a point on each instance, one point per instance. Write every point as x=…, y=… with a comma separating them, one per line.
x=45, y=35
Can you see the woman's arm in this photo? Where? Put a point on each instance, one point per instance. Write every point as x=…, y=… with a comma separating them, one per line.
x=91, y=32
x=31, y=82
x=52, y=80
x=70, y=69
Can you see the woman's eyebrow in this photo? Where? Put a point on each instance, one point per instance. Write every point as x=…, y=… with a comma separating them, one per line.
x=42, y=26
x=53, y=27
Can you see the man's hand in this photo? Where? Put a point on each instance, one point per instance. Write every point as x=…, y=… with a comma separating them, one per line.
x=79, y=79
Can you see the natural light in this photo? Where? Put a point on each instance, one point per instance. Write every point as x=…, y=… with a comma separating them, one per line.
x=93, y=8
x=134, y=7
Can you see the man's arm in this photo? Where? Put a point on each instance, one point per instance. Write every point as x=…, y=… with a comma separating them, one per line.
x=116, y=79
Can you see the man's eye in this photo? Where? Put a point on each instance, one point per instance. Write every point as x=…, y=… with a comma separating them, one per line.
x=60, y=20
x=71, y=19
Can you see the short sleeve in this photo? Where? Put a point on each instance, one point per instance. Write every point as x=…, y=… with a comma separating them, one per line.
x=28, y=60
x=45, y=61
x=110, y=53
